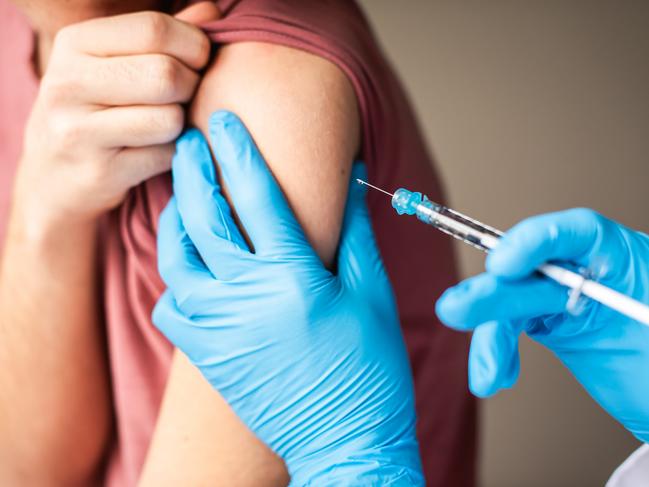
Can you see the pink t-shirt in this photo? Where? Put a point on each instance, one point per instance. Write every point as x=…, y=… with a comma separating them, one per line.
x=395, y=153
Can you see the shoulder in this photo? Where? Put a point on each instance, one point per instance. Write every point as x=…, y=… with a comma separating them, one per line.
x=302, y=112
x=270, y=82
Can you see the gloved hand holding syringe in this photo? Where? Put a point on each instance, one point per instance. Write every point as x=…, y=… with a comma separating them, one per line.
x=486, y=238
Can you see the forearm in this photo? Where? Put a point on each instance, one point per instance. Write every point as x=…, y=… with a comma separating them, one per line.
x=109, y=106
x=54, y=396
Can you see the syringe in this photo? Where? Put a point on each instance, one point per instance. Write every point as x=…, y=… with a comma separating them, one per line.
x=486, y=238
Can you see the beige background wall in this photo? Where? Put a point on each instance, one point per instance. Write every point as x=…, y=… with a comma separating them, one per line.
x=533, y=106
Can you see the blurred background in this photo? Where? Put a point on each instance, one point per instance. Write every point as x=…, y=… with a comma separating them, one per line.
x=529, y=107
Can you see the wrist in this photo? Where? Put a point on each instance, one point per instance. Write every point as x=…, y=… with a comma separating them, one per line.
x=36, y=223
x=48, y=201
x=46, y=236
x=37, y=216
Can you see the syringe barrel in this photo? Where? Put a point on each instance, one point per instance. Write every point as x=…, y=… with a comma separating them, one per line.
x=455, y=224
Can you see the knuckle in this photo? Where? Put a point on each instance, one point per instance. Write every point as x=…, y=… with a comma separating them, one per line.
x=65, y=37
x=203, y=49
x=97, y=172
x=488, y=284
x=154, y=29
x=158, y=161
x=586, y=215
x=165, y=76
x=192, y=300
x=171, y=121
x=67, y=131
x=528, y=226
x=57, y=90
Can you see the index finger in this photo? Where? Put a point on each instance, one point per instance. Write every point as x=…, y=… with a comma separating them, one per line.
x=484, y=297
x=139, y=33
x=570, y=235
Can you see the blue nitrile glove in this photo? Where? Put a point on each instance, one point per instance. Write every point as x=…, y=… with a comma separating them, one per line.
x=607, y=352
x=313, y=362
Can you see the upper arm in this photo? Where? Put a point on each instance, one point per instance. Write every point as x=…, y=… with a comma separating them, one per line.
x=302, y=112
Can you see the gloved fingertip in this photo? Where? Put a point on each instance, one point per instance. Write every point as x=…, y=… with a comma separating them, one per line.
x=222, y=117
x=493, y=358
x=484, y=377
x=234, y=149
x=482, y=389
x=224, y=124
x=188, y=142
x=451, y=308
x=192, y=150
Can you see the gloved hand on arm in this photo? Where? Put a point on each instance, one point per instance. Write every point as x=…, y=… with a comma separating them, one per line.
x=312, y=361
x=607, y=352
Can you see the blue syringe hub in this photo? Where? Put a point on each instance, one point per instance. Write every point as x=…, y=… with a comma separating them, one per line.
x=405, y=202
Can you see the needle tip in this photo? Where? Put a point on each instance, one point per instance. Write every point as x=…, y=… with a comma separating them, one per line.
x=360, y=181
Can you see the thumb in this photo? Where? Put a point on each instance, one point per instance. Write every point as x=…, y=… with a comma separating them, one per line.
x=494, y=362
x=358, y=259
x=199, y=13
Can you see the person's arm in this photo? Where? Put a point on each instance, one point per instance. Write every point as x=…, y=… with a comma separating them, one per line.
x=302, y=112
x=55, y=409
x=318, y=367
x=107, y=113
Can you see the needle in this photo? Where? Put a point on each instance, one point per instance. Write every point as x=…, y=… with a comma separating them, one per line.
x=360, y=181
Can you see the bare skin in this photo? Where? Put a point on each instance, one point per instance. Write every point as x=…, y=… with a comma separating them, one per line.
x=94, y=132
x=201, y=436
x=276, y=91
